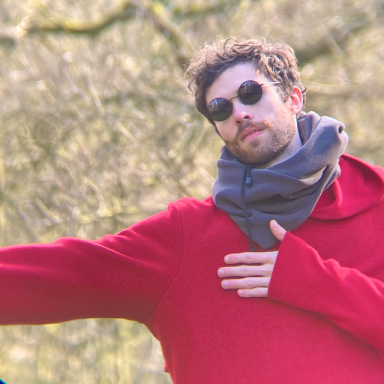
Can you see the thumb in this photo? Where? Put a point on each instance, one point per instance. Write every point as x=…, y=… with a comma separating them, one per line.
x=277, y=230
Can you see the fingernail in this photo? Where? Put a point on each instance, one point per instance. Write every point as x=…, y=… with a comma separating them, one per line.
x=221, y=272
x=224, y=284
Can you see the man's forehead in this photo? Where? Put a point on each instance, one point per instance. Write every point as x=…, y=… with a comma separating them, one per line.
x=227, y=83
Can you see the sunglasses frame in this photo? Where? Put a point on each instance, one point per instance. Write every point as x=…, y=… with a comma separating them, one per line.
x=229, y=104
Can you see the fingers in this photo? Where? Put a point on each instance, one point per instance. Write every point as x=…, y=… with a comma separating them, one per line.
x=246, y=283
x=251, y=258
x=277, y=230
x=246, y=270
x=249, y=287
x=255, y=267
x=255, y=292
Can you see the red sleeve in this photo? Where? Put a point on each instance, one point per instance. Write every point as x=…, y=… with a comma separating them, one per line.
x=119, y=276
x=347, y=297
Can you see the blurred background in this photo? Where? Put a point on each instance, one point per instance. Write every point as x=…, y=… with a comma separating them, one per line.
x=98, y=131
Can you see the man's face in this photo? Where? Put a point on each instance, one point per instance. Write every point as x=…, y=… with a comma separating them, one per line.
x=261, y=134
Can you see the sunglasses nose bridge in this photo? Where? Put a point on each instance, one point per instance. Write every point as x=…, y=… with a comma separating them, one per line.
x=241, y=111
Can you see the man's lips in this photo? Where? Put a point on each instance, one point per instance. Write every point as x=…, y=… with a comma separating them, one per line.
x=250, y=133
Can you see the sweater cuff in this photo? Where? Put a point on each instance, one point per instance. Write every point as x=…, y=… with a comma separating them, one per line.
x=286, y=285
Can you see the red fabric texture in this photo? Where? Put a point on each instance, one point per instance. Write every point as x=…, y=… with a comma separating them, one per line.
x=323, y=321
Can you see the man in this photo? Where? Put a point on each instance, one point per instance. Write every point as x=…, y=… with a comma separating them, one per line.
x=319, y=315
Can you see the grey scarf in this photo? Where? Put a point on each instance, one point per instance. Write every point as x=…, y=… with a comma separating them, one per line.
x=287, y=191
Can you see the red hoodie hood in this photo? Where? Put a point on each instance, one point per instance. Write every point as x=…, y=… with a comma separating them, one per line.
x=359, y=187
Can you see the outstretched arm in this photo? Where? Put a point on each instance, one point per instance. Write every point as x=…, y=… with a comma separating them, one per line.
x=122, y=276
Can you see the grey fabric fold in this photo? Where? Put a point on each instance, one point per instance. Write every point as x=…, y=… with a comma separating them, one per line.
x=287, y=191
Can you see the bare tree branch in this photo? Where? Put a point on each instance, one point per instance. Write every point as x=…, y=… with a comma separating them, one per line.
x=194, y=10
x=183, y=49
x=126, y=10
x=340, y=36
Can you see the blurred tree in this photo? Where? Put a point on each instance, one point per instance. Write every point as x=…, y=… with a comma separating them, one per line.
x=98, y=132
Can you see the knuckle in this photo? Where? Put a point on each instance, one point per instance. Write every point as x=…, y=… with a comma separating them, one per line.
x=248, y=258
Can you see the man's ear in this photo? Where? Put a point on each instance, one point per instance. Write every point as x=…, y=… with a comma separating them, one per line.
x=295, y=101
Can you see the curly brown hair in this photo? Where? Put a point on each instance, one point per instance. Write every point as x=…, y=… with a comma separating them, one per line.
x=276, y=62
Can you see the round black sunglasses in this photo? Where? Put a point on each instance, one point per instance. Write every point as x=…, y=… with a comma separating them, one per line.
x=249, y=93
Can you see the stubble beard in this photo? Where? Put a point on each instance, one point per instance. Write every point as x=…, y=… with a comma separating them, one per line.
x=262, y=151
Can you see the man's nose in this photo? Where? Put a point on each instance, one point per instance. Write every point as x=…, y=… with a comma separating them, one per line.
x=241, y=112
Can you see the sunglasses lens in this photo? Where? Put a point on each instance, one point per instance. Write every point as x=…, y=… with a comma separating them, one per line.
x=219, y=109
x=250, y=92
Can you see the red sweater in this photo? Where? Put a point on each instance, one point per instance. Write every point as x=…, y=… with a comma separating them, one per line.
x=323, y=321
